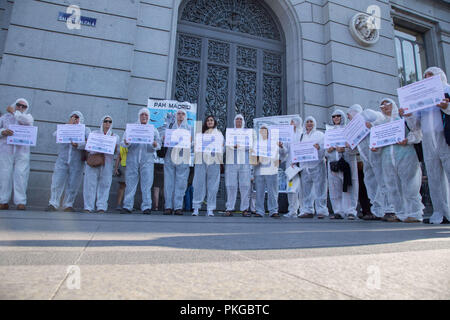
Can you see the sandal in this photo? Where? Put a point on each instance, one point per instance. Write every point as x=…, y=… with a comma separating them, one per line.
x=337, y=216
x=275, y=215
x=228, y=214
x=306, y=216
x=246, y=214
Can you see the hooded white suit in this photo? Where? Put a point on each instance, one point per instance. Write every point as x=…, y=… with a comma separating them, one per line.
x=97, y=181
x=401, y=172
x=140, y=165
x=314, y=175
x=344, y=203
x=238, y=173
x=68, y=172
x=436, y=153
x=294, y=198
x=176, y=174
x=14, y=160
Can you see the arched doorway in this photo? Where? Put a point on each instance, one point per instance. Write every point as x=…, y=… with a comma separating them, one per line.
x=230, y=59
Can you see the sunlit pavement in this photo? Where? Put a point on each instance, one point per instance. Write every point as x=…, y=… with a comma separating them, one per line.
x=114, y=256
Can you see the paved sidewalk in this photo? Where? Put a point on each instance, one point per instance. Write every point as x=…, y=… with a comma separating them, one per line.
x=112, y=256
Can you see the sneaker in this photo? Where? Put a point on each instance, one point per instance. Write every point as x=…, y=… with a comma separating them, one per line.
x=195, y=213
x=50, y=208
x=210, y=214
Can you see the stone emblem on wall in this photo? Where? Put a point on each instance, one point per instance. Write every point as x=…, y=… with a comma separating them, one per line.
x=364, y=30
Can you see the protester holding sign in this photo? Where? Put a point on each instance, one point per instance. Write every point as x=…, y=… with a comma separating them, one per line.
x=238, y=173
x=208, y=158
x=373, y=172
x=176, y=169
x=266, y=159
x=343, y=182
x=436, y=149
x=401, y=171
x=314, y=174
x=14, y=160
x=140, y=164
x=97, y=180
x=68, y=172
x=294, y=197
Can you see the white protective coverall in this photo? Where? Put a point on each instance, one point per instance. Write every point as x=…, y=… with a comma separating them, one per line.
x=402, y=173
x=436, y=153
x=207, y=177
x=68, y=172
x=294, y=198
x=176, y=174
x=14, y=160
x=343, y=203
x=266, y=178
x=140, y=165
x=314, y=175
x=97, y=181
x=372, y=168
x=238, y=174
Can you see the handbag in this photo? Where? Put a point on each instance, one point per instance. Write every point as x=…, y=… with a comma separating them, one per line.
x=161, y=152
x=96, y=160
x=334, y=166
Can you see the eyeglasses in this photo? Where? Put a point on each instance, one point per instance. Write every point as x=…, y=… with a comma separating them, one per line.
x=337, y=115
x=107, y=121
x=23, y=106
x=75, y=116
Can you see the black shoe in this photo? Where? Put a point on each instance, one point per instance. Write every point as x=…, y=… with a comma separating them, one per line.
x=178, y=212
x=445, y=221
x=168, y=212
x=124, y=210
x=147, y=211
x=50, y=208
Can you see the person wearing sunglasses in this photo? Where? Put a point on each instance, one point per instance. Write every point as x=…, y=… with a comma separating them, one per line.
x=401, y=170
x=68, y=172
x=14, y=160
x=97, y=180
x=344, y=203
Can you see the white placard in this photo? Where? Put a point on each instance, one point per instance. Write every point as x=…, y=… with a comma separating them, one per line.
x=387, y=133
x=282, y=132
x=421, y=94
x=23, y=135
x=101, y=143
x=140, y=133
x=67, y=133
x=180, y=138
x=239, y=137
x=303, y=152
x=334, y=138
x=208, y=143
x=356, y=131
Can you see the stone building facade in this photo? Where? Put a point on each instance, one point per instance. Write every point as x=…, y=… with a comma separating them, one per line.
x=258, y=57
